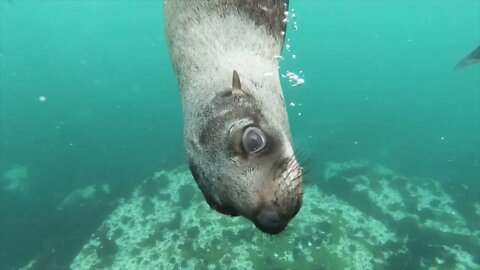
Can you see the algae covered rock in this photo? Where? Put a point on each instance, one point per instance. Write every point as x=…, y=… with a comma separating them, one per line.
x=360, y=216
x=16, y=179
x=430, y=231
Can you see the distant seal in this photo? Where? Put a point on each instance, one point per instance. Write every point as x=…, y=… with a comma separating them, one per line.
x=470, y=59
x=236, y=133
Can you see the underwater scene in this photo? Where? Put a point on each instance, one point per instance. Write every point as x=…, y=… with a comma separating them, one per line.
x=383, y=103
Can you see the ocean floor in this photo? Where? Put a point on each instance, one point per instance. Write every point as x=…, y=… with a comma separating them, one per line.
x=361, y=215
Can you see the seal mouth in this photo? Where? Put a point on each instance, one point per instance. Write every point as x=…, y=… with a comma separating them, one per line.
x=268, y=219
x=226, y=210
x=222, y=208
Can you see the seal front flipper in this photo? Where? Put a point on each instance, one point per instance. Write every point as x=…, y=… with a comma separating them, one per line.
x=470, y=59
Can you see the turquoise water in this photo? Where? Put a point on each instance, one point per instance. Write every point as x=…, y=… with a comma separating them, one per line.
x=88, y=96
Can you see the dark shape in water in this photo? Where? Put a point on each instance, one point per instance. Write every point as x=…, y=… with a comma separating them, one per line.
x=470, y=59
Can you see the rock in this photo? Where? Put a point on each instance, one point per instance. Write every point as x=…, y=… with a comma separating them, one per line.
x=361, y=216
x=16, y=180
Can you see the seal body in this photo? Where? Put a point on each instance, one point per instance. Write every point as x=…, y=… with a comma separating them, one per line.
x=236, y=133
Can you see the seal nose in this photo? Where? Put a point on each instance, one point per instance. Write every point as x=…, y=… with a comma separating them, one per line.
x=268, y=220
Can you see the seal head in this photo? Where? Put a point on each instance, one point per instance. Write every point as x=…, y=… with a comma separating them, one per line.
x=249, y=158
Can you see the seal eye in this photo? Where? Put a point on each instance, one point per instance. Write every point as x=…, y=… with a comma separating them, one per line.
x=253, y=140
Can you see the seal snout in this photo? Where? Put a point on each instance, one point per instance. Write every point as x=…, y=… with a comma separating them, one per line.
x=271, y=220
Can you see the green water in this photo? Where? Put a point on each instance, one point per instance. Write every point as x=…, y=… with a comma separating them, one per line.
x=379, y=85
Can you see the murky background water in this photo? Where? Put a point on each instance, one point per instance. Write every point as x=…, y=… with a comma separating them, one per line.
x=88, y=97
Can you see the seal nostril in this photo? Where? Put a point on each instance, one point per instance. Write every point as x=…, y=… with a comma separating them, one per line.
x=269, y=221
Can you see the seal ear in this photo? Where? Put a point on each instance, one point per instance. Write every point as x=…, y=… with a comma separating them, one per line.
x=236, y=85
x=236, y=81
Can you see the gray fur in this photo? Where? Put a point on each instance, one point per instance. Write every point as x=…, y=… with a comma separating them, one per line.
x=216, y=47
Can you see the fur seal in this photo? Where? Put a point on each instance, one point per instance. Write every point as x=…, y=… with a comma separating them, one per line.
x=470, y=59
x=236, y=133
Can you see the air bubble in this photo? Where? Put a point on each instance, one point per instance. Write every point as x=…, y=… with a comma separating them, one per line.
x=295, y=26
x=293, y=78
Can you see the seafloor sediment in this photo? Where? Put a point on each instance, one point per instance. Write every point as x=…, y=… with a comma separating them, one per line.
x=360, y=216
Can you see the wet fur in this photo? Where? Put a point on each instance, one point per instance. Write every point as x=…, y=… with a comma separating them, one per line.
x=207, y=41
